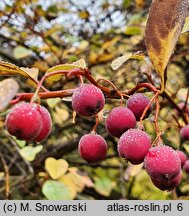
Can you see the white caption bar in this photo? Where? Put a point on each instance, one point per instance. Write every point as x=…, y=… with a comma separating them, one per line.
x=95, y=207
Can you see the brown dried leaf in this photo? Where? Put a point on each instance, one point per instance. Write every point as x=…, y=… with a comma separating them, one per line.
x=8, y=89
x=164, y=25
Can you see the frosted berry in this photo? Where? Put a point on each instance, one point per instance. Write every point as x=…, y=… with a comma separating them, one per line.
x=47, y=123
x=137, y=103
x=166, y=184
x=186, y=166
x=87, y=100
x=92, y=148
x=24, y=121
x=162, y=162
x=184, y=133
x=119, y=120
x=134, y=145
x=182, y=157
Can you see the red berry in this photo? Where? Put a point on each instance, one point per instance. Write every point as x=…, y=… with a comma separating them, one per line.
x=166, y=184
x=186, y=166
x=92, y=148
x=137, y=103
x=47, y=123
x=87, y=100
x=24, y=121
x=134, y=145
x=119, y=120
x=162, y=162
x=184, y=133
x=182, y=157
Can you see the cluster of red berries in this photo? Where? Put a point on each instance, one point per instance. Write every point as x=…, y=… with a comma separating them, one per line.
x=184, y=135
x=29, y=121
x=162, y=163
x=32, y=122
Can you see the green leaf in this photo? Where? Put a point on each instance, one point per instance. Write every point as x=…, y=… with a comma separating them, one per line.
x=55, y=190
x=132, y=30
x=52, y=102
x=126, y=4
x=21, y=52
x=104, y=186
x=29, y=152
x=21, y=143
x=144, y=189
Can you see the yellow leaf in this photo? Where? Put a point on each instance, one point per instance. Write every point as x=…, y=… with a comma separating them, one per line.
x=73, y=180
x=52, y=30
x=21, y=52
x=83, y=45
x=41, y=65
x=56, y=168
x=52, y=102
x=140, y=3
x=105, y=57
x=182, y=94
x=67, y=67
x=33, y=72
x=109, y=43
x=29, y=153
x=186, y=146
x=84, y=178
x=164, y=25
x=186, y=26
x=60, y=115
x=84, y=14
x=7, y=69
x=118, y=62
x=132, y=170
x=80, y=63
x=93, y=57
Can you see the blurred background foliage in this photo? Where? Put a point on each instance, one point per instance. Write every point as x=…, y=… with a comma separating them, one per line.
x=44, y=33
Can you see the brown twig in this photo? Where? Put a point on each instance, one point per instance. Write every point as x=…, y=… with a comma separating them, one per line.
x=96, y=124
x=114, y=88
x=14, y=7
x=159, y=132
x=175, y=105
x=147, y=108
x=186, y=100
x=107, y=91
x=95, y=165
x=156, y=113
x=178, y=124
x=7, y=180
